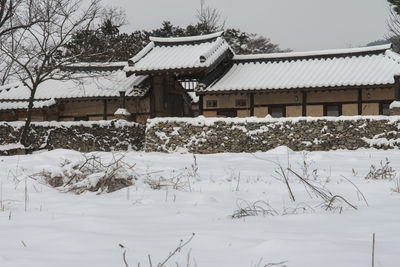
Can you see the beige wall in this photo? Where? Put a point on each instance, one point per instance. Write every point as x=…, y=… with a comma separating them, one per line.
x=294, y=111
x=277, y=98
x=332, y=96
x=67, y=119
x=209, y=113
x=315, y=110
x=225, y=101
x=260, y=112
x=350, y=109
x=378, y=94
x=370, y=109
x=95, y=118
x=243, y=113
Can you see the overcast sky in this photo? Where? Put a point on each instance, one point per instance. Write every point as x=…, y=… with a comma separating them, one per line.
x=297, y=24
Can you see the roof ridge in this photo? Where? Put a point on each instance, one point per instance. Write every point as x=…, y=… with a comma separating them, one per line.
x=316, y=53
x=187, y=38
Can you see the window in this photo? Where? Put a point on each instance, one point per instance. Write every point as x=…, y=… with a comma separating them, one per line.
x=385, y=109
x=241, y=102
x=277, y=112
x=332, y=111
x=211, y=103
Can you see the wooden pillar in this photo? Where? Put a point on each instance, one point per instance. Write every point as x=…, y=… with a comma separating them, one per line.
x=105, y=109
x=201, y=104
x=397, y=87
x=304, y=104
x=251, y=104
x=359, y=101
x=122, y=95
x=152, y=99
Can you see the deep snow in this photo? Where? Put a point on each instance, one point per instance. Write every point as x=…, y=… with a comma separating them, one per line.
x=62, y=229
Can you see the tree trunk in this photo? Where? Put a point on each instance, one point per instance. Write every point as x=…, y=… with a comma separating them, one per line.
x=24, y=136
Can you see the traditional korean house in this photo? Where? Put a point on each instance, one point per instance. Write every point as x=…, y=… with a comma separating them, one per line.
x=357, y=81
x=176, y=65
x=201, y=75
x=94, y=91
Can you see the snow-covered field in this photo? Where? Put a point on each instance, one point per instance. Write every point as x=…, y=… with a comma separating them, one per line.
x=63, y=229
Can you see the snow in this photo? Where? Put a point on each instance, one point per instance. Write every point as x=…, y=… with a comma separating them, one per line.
x=61, y=229
x=187, y=38
x=102, y=123
x=395, y=104
x=11, y=146
x=178, y=53
x=93, y=84
x=331, y=52
x=122, y=111
x=274, y=73
x=97, y=64
x=203, y=121
x=24, y=104
x=195, y=98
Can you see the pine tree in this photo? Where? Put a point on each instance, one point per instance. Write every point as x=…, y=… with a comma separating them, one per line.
x=396, y=5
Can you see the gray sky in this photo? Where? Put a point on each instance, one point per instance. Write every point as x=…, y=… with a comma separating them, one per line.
x=297, y=24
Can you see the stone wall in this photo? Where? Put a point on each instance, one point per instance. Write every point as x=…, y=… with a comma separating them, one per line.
x=206, y=135
x=80, y=136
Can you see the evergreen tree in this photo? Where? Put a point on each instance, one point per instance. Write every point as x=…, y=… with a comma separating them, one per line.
x=396, y=5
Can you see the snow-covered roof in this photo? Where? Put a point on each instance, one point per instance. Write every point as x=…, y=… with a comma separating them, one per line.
x=332, y=68
x=318, y=53
x=179, y=53
x=81, y=85
x=24, y=104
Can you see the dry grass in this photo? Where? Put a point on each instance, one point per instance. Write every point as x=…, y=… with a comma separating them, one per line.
x=91, y=173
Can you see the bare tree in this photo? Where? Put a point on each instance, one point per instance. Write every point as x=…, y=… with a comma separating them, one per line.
x=394, y=28
x=36, y=50
x=210, y=18
x=15, y=15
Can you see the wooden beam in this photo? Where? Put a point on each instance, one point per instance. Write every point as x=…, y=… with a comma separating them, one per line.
x=122, y=95
x=359, y=101
x=304, y=104
x=104, y=109
x=251, y=105
x=201, y=104
x=397, y=87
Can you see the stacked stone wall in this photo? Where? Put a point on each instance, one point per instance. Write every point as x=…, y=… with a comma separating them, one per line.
x=205, y=135
x=81, y=136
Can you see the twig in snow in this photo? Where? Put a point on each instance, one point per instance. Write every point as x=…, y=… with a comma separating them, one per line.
x=178, y=249
x=124, y=255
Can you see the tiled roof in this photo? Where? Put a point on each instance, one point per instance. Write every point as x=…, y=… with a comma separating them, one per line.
x=83, y=85
x=179, y=53
x=24, y=104
x=333, y=68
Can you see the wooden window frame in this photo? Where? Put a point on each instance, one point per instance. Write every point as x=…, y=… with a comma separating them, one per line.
x=241, y=102
x=214, y=105
x=339, y=105
x=283, y=107
x=381, y=107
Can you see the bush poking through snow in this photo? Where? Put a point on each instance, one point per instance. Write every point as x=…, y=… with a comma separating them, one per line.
x=385, y=172
x=90, y=174
x=246, y=209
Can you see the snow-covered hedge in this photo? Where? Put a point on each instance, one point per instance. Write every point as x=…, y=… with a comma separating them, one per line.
x=218, y=135
x=80, y=136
